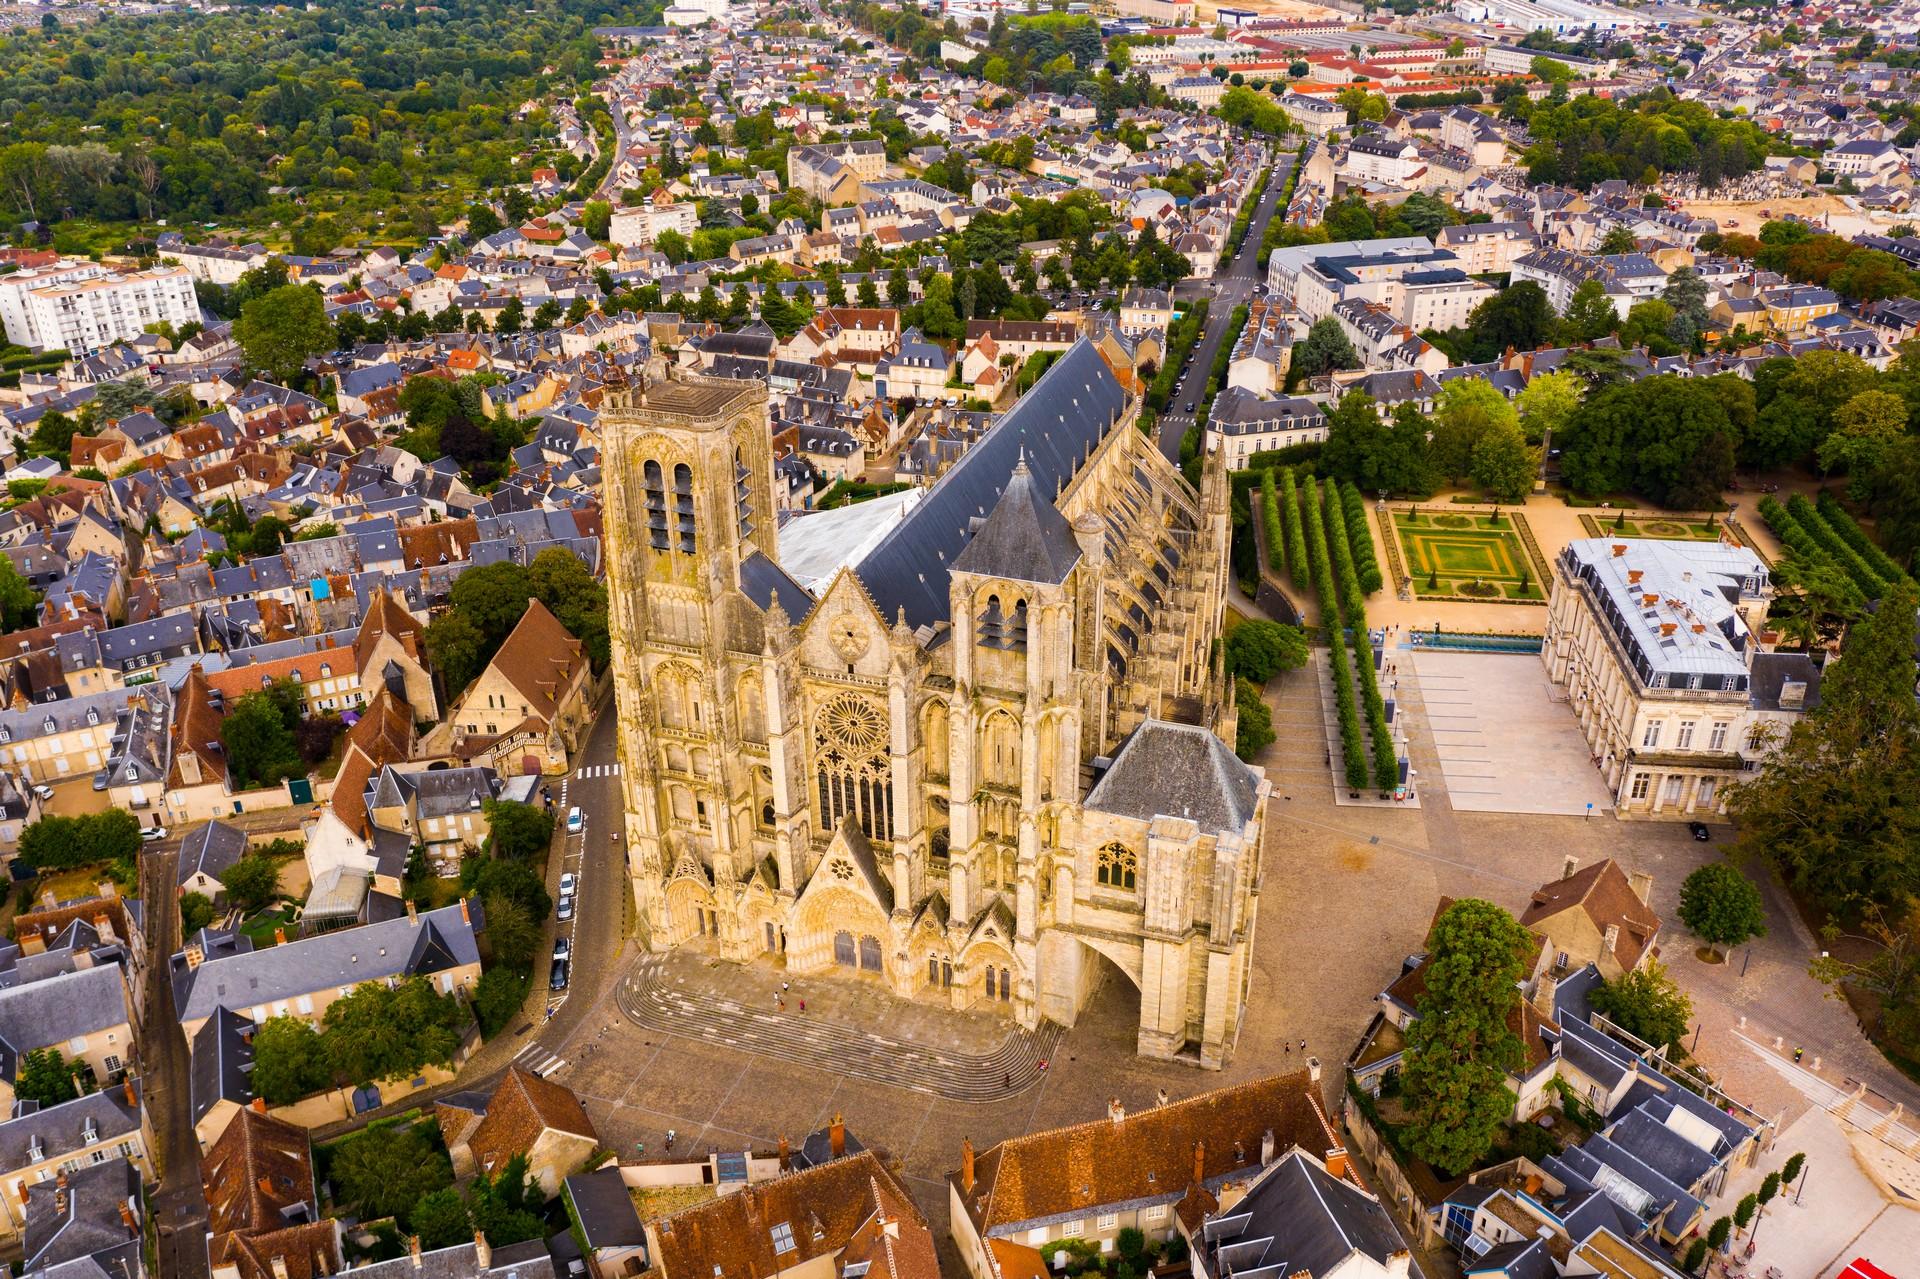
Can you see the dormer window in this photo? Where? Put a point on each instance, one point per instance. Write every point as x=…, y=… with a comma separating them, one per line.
x=93, y=715
x=47, y=725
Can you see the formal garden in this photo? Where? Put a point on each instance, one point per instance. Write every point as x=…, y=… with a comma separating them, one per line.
x=1467, y=555
x=1672, y=528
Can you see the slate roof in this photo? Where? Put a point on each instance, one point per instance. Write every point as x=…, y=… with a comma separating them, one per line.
x=210, y=849
x=1025, y=538
x=220, y=1062
x=56, y=1009
x=83, y=1218
x=1163, y=769
x=1053, y=427
x=60, y=1130
x=764, y=581
x=1299, y=1219
x=604, y=1208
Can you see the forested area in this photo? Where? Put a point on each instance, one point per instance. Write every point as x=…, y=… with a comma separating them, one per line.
x=1585, y=140
x=392, y=116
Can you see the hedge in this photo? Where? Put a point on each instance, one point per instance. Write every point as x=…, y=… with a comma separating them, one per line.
x=1808, y=517
x=1853, y=535
x=1386, y=766
x=1804, y=542
x=1352, y=750
x=1296, y=539
x=1270, y=519
x=1364, y=562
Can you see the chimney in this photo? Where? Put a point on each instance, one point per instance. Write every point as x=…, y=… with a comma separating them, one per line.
x=1642, y=884
x=1613, y=937
x=259, y=1105
x=1619, y=549
x=465, y=918
x=279, y=1267
x=1568, y=867
x=1115, y=1111
x=60, y=1181
x=126, y=1217
x=966, y=1165
x=1337, y=1161
x=46, y=899
x=1668, y=628
x=482, y=1251
x=1199, y=1162
x=1266, y=1148
x=195, y=956
x=126, y=1088
x=837, y=1135
x=786, y=1156
x=1313, y=1070
x=1649, y=599
x=279, y=936
x=413, y=913
x=103, y=924
x=1161, y=1098
x=413, y=1250
x=1543, y=995
x=1633, y=577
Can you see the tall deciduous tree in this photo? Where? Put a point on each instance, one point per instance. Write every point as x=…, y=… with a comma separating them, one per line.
x=1462, y=1048
x=279, y=330
x=384, y=1172
x=1834, y=807
x=1647, y=1003
x=1549, y=400
x=1325, y=348
x=287, y=1063
x=1722, y=906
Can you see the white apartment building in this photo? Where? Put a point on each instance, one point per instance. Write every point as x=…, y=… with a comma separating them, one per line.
x=1379, y=158
x=1284, y=266
x=1317, y=117
x=16, y=288
x=217, y=263
x=87, y=314
x=1654, y=643
x=641, y=225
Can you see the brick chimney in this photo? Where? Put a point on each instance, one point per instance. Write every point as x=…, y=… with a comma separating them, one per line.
x=465, y=918
x=1115, y=1111
x=103, y=924
x=1568, y=867
x=1543, y=994
x=1642, y=885
x=126, y=1088
x=1266, y=1148
x=966, y=1166
x=126, y=1217
x=1199, y=1161
x=1337, y=1161
x=195, y=955
x=413, y=1250
x=1612, y=939
x=837, y=1135
x=259, y=1104
x=413, y=913
x=786, y=1156
x=1313, y=1070
x=482, y=1251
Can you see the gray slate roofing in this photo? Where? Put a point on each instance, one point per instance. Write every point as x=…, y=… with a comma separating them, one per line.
x=605, y=1209
x=1299, y=1220
x=520, y=1261
x=764, y=581
x=85, y=1220
x=210, y=849
x=1025, y=538
x=393, y=948
x=61, y=1130
x=38, y=1013
x=1054, y=426
x=220, y=1062
x=1164, y=769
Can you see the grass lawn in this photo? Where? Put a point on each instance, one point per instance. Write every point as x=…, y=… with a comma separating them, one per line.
x=1667, y=527
x=1460, y=556
x=260, y=927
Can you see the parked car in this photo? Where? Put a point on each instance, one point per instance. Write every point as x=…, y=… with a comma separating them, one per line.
x=1700, y=831
x=562, y=949
x=576, y=820
x=43, y=790
x=557, y=980
x=564, y=911
x=569, y=884
x=153, y=833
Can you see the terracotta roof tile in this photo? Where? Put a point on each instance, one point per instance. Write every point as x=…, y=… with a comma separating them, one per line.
x=1603, y=891
x=521, y=1108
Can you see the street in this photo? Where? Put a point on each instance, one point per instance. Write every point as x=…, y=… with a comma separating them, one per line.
x=179, y=1204
x=1226, y=290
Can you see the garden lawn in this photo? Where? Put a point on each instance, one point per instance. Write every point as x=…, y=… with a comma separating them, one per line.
x=1464, y=556
x=1668, y=527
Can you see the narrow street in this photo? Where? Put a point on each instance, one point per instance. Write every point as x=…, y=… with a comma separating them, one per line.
x=1232, y=285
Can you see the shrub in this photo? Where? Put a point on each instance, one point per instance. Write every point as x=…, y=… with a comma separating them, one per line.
x=1353, y=752
x=1295, y=535
x=1851, y=533
x=1365, y=564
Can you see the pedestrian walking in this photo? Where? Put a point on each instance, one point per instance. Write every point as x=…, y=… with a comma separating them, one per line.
x=1797, y=1054
x=1007, y=1082
x=780, y=1003
x=1043, y=1064
x=1287, y=1048
x=1303, y=1045
x=803, y=1005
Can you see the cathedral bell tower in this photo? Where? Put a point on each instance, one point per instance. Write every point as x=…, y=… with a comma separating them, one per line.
x=688, y=489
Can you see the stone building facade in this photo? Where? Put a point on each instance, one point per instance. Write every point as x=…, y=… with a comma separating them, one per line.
x=986, y=751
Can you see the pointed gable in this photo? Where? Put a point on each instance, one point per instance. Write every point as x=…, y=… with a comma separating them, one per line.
x=1025, y=538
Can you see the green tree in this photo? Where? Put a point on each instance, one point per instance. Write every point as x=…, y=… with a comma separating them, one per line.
x=1884, y=959
x=1618, y=239
x=1769, y=1187
x=1547, y=402
x=1722, y=906
x=1744, y=1210
x=1466, y=410
x=259, y=747
x=251, y=882
x=279, y=330
x=287, y=1061
x=1591, y=314
x=441, y=1220
x=375, y=1032
x=19, y=602
x=196, y=912
x=1254, y=732
x=517, y=831
x=1461, y=1048
x=1686, y=292
x=53, y=435
x=458, y=649
x=674, y=245
x=596, y=218
x=498, y=995
x=1665, y=438
x=1502, y=464
x=384, y=1172
x=1696, y=1255
x=569, y=590
x=1519, y=316
x=1833, y=808
x=1718, y=1233
x=1258, y=649
x=506, y=1205
x=1790, y=1170
x=1647, y=1003
x=1865, y=429
x=1325, y=348
x=512, y=932
x=46, y=1076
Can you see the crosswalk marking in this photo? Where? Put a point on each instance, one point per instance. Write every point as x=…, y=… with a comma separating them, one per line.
x=599, y=770
x=538, y=1060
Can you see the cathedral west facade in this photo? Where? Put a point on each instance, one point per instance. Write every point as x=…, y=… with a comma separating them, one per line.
x=989, y=744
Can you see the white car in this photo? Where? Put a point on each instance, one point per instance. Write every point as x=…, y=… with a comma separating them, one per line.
x=43, y=790
x=153, y=834
x=569, y=884
x=576, y=821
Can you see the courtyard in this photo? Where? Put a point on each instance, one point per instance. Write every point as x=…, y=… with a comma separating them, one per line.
x=1466, y=555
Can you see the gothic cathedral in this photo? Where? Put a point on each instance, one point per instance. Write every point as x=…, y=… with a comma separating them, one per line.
x=988, y=742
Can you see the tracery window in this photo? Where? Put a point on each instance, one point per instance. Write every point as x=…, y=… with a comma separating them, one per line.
x=1117, y=867
x=853, y=776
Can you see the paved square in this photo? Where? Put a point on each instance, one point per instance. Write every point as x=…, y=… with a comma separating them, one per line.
x=1505, y=744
